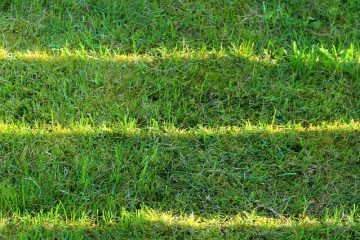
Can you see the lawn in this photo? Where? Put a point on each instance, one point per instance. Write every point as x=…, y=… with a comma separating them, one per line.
x=172, y=119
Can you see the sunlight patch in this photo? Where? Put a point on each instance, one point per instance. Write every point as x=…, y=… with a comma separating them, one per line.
x=168, y=130
x=150, y=217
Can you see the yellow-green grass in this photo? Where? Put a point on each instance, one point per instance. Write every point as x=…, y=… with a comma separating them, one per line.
x=147, y=223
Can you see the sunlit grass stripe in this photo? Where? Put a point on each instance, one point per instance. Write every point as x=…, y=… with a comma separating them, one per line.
x=310, y=55
x=168, y=129
x=145, y=217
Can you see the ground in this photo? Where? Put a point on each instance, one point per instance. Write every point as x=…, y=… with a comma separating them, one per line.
x=180, y=119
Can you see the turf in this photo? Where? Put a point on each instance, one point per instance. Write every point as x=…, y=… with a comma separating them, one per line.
x=179, y=119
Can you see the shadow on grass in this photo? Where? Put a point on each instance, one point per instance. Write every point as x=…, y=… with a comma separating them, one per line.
x=211, y=89
x=139, y=26
x=205, y=172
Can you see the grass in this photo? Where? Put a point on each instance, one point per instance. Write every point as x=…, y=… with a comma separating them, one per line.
x=179, y=119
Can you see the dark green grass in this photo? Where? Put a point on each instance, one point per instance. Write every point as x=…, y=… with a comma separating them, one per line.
x=215, y=89
x=179, y=119
x=219, y=173
x=86, y=172
x=140, y=26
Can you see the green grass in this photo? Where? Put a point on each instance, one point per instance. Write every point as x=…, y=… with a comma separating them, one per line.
x=179, y=119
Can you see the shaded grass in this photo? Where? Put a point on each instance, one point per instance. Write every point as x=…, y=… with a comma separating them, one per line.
x=92, y=173
x=212, y=88
x=139, y=26
x=219, y=172
x=222, y=172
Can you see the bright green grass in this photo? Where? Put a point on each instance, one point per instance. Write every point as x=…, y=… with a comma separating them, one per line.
x=180, y=119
